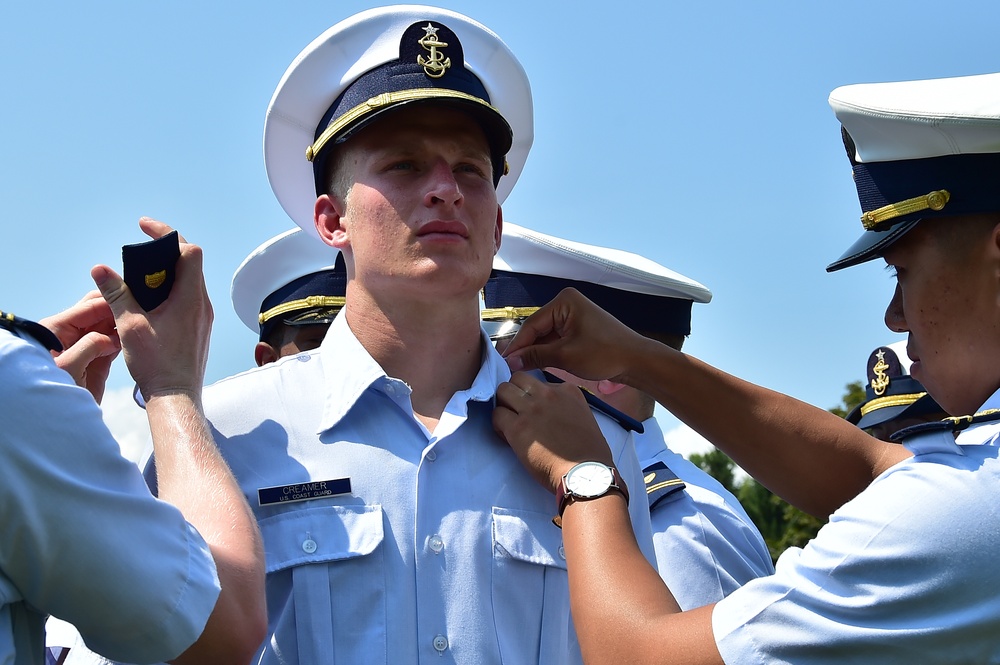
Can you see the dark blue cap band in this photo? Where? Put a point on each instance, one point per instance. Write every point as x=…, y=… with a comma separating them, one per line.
x=322, y=283
x=970, y=181
x=641, y=312
x=407, y=73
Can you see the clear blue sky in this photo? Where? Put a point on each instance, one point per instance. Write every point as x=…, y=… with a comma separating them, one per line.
x=697, y=134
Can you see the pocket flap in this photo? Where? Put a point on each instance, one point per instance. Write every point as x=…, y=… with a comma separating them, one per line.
x=320, y=533
x=528, y=536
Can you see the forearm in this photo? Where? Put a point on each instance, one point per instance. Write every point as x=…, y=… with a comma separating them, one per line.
x=622, y=611
x=192, y=476
x=808, y=456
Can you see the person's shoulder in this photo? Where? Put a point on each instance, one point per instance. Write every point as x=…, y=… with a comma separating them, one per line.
x=662, y=484
x=687, y=471
x=21, y=361
x=254, y=388
x=981, y=422
x=26, y=329
x=269, y=373
x=706, y=494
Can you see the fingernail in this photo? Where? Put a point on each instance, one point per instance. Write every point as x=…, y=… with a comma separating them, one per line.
x=100, y=275
x=515, y=363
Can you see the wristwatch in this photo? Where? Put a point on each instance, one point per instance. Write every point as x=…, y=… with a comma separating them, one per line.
x=587, y=480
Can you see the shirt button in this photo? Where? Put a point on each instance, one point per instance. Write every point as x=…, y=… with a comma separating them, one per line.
x=440, y=643
x=562, y=552
x=304, y=357
x=309, y=546
x=431, y=456
x=435, y=543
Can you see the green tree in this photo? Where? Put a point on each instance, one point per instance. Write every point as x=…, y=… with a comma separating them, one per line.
x=855, y=395
x=718, y=465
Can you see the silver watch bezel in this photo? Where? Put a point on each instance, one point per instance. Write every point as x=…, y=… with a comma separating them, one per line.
x=583, y=486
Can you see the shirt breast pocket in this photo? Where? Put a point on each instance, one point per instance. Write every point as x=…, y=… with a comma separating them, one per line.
x=326, y=573
x=530, y=590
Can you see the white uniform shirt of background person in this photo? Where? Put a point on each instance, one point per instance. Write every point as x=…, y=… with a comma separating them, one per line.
x=82, y=537
x=909, y=569
x=706, y=545
x=443, y=550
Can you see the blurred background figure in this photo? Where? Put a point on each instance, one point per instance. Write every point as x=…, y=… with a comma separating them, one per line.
x=894, y=400
x=706, y=545
x=288, y=291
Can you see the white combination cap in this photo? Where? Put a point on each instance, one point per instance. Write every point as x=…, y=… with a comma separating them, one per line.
x=531, y=268
x=919, y=149
x=292, y=279
x=379, y=60
x=891, y=393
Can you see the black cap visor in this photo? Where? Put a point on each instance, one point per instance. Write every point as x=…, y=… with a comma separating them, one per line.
x=871, y=245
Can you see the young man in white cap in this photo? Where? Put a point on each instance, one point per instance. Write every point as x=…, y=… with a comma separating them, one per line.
x=706, y=545
x=894, y=400
x=398, y=527
x=288, y=291
x=905, y=570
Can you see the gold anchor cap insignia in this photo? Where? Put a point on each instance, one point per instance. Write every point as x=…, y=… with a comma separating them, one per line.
x=435, y=64
x=881, y=380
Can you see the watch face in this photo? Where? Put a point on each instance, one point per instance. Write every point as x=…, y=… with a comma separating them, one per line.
x=589, y=479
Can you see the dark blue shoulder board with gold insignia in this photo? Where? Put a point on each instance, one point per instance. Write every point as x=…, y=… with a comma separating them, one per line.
x=661, y=483
x=953, y=424
x=37, y=331
x=626, y=421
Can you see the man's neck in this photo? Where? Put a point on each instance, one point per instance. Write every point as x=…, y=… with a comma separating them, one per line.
x=436, y=348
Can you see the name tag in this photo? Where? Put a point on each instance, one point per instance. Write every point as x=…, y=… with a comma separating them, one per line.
x=318, y=489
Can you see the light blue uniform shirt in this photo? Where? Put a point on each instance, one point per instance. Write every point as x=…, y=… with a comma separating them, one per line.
x=443, y=551
x=906, y=572
x=706, y=545
x=82, y=538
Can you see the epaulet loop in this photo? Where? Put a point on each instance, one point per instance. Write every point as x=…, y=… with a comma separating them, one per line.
x=661, y=483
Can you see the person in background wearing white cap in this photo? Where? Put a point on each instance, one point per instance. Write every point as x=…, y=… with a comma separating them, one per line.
x=180, y=578
x=906, y=569
x=398, y=527
x=288, y=291
x=894, y=400
x=706, y=545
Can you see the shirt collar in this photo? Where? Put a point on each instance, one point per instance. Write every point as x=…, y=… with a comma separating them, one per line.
x=350, y=370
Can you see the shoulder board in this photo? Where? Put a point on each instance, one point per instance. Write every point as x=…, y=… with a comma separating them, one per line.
x=951, y=424
x=37, y=331
x=626, y=421
x=661, y=483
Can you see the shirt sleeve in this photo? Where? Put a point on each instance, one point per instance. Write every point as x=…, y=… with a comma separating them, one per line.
x=905, y=572
x=93, y=547
x=706, y=547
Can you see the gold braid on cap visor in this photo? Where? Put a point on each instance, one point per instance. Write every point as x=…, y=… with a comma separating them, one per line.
x=507, y=313
x=933, y=201
x=303, y=303
x=891, y=400
x=388, y=99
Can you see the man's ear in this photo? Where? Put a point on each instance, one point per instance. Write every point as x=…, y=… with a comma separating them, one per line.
x=605, y=387
x=498, y=234
x=264, y=353
x=328, y=214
